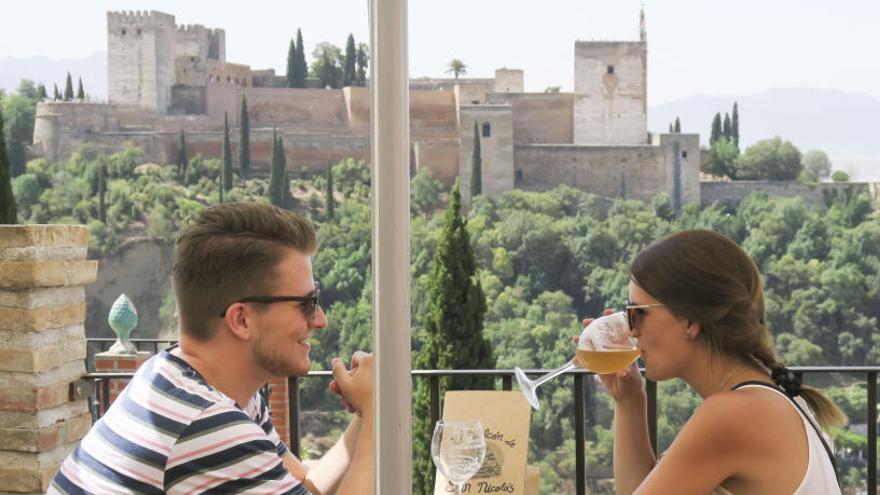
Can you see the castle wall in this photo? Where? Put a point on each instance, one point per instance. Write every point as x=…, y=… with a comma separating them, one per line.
x=440, y=157
x=539, y=117
x=610, y=104
x=226, y=73
x=496, y=150
x=357, y=106
x=306, y=108
x=733, y=192
x=188, y=100
x=432, y=110
x=682, y=161
x=508, y=81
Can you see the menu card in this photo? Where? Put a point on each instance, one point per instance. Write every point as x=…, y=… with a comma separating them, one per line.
x=505, y=417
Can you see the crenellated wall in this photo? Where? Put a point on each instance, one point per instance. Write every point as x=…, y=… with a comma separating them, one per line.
x=733, y=192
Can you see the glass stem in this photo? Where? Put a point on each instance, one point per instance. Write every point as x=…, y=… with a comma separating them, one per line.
x=553, y=374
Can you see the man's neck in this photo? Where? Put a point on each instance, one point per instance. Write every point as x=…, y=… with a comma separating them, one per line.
x=223, y=367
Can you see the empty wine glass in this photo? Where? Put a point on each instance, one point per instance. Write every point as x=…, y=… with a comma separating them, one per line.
x=458, y=449
x=605, y=346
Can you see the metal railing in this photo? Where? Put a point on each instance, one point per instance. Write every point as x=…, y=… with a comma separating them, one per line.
x=101, y=400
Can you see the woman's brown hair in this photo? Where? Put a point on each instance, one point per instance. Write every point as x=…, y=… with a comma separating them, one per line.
x=705, y=277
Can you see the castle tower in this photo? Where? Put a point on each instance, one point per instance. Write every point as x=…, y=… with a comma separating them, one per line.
x=610, y=91
x=140, y=59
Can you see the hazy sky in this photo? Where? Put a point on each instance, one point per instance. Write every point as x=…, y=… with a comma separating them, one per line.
x=695, y=46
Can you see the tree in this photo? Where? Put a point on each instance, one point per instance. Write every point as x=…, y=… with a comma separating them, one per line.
x=8, y=211
x=102, y=189
x=276, y=170
x=327, y=65
x=716, y=128
x=362, y=61
x=300, y=68
x=817, y=164
x=726, y=131
x=769, y=159
x=227, y=155
x=424, y=192
x=840, y=176
x=722, y=157
x=456, y=67
x=331, y=203
x=671, y=128
x=80, y=94
x=476, y=165
x=19, y=110
x=244, y=138
x=734, y=125
x=41, y=92
x=68, y=88
x=677, y=127
x=453, y=326
x=291, y=65
x=182, y=160
x=286, y=196
x=57, y=94
x=552, y=89
x=350, y=62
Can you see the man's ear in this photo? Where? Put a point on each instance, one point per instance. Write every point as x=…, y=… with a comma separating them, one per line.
x=239, y=322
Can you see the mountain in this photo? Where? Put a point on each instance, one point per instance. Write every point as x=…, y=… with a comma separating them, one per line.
x=92, y=69
x=843, y=124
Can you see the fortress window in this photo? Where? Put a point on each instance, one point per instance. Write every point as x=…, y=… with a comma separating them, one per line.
x=138, y=30
x=518, y=176
x=192, y=59
x=487, y=129
x=475, y=102
x=611, y=69
x=123, y=32
x=684, y=154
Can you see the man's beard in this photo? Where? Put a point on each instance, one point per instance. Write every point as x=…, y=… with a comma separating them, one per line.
x=269, y=358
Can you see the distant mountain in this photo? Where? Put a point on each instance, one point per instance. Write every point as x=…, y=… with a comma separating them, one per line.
x=842, y=124
x=92, y=69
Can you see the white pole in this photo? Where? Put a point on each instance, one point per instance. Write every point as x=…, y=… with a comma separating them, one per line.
x=389, y=136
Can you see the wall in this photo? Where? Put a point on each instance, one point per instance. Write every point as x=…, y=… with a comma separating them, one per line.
x=539, y=117
x=732, y=193
x=508, y=80
x=440, y=157
x=610, y=108
x=682, y=161
x=306, y=108
x=496, y=150
x=188, y=100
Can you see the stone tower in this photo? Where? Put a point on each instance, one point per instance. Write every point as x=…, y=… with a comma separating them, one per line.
x=610, y=92
x=140, y=59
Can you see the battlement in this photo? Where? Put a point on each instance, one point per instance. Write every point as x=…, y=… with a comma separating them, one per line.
x=139, y=17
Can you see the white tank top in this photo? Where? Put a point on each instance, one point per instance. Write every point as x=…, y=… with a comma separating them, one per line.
x=819, y=478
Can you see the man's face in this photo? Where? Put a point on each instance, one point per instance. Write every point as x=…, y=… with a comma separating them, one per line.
x=281, y=346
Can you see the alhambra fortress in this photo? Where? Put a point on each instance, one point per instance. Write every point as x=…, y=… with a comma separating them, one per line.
x=164, y=78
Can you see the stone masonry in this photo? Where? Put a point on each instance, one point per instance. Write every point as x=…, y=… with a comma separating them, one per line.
x=43, y=271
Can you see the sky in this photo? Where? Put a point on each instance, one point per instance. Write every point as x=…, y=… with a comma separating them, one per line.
x=694, y=46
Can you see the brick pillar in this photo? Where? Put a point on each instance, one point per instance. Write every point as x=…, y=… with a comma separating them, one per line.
x=43, y=273
x=278, y=407
x=111, y=362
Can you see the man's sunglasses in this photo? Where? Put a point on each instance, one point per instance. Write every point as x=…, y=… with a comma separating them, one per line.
x=310, y=302
x=635, y=312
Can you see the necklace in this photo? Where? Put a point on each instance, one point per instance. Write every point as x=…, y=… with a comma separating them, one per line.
x=729, y=375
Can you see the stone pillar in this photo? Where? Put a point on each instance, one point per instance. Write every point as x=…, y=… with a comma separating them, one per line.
x=111, y=362
x=279, y=407
x=43, y=272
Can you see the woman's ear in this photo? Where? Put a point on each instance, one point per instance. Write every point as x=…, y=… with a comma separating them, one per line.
x=692, y=330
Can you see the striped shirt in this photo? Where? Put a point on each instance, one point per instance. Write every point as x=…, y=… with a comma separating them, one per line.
x=171, y=432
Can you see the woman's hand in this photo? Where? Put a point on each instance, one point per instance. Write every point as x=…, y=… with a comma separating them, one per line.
x=626, y=384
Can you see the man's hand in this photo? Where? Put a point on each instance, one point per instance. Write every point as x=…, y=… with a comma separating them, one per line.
x=355, y=386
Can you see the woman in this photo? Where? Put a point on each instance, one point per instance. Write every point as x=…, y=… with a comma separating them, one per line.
x=696, y=307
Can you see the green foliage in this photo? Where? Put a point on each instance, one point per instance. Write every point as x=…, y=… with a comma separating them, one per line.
x=363, y=58
x=456, y=67
x=291, y=64
x=300, y=68
x=244, y=138
x=349, y=63
x=19, y=111
x=424, y=192
x=327, y=65
x=331, y=202
x=80, y=94
x=182, y=160
x=840, y=176
x=770, y=159
x=734, y=125
x=726, y=131
x=817, y=164
x=677, y=127
x=57, y=94
x=722, y=158
x=277, y=169
x=8, y=210
x=716, y=132
x=227, y=156
x=352, y=178
x=476, y=165
x=68, y=88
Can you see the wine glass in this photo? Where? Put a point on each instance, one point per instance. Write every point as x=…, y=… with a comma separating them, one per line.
x=458, y=449
x=605, y=346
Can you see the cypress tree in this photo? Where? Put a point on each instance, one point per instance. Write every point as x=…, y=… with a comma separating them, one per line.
x=328, y=75
x=301, y=68
x=80, y=94
x=348, y=73
x=453, y=331
x=57, y=95
x=102, y=191
x=244, y=139
x=221, y=186
x=182, y=160
x=227, y=155
x=476, y=165
x=68, y=89
x=734, y=125
x=362, y=65
x=276, y=170
x=41, y=92
x=677, y=127
x=291, y=65
x=286, y=196
x=331, y=203
x=726, y=130
x=8, y=210
x=716, y=128
x=671, y=128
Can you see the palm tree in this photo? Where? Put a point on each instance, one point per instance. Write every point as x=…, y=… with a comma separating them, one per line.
x=456, y=67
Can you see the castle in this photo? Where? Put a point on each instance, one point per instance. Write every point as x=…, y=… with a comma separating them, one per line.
x=164, y=78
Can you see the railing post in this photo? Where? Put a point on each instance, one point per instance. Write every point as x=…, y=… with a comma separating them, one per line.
x=507, y=382
x=434, y=381
x=651, y=390
x=872, y=433
x=293, y=411
x=579, y=435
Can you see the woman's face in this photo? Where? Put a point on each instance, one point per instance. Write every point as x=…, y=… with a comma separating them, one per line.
x=660, y=334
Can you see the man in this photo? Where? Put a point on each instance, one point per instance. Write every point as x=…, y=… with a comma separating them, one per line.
x=192, y=419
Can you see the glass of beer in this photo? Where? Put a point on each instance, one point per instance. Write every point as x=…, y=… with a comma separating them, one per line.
x=605, y=346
